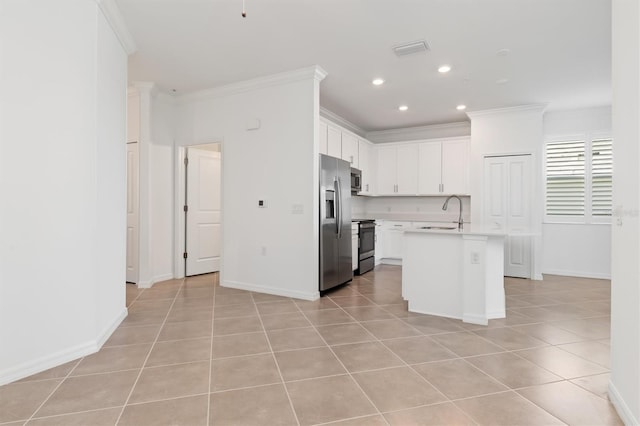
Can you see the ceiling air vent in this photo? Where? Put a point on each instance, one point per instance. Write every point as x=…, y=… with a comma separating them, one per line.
x=411, y=48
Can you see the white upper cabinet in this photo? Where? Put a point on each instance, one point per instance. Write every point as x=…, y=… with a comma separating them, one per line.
x=430, y=169
x=322, y=136
x=350, y=149
x=365, y=165
x=455, y=167
x=444, y=167
x=334, y=142
x=397, y=170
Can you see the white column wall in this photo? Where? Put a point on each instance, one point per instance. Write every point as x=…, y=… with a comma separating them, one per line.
x=270, y=249
x=508, y=131
x=62, y=214
x=624, y=388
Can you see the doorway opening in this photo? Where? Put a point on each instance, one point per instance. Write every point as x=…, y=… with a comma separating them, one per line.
x=201, y=201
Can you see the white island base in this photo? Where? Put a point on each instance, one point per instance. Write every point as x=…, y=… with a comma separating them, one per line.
x=454, y=274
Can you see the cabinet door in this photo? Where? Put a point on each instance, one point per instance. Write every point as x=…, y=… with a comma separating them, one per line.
x=430, y=168
x=334, y=142
x=393, y=243
x=350, y=149
x=322, y=138
x=455, y=167
x=364, y=163
x=407, y=170
x=387, y=163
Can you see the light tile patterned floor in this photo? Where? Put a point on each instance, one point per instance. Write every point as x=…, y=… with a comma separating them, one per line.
x=194, y=353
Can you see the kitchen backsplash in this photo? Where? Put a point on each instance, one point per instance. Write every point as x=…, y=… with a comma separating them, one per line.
x=428, y=209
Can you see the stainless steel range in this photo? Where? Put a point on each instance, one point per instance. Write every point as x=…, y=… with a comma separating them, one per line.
x=366, y=245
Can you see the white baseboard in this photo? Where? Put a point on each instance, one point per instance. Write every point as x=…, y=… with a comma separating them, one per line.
x=163, y=277
x=46, y=362
x=497, y=315
x=144, y=284
x=108, y=331
x=285, y=292
x=475, y=319
x=437, y=314
x=391, y=261
x=152, y=281
x=579, y=274
x=621, y=407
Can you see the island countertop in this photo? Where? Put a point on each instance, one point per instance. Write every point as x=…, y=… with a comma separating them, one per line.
x=470, y=230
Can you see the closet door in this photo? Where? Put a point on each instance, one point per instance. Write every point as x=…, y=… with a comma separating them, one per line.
x=507, y=208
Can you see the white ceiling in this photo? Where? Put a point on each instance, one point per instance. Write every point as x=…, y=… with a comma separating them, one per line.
x=560, y=52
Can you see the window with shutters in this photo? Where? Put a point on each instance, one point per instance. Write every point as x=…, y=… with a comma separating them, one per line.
x=578, y=180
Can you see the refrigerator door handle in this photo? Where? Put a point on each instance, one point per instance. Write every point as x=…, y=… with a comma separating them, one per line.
x=338, y=206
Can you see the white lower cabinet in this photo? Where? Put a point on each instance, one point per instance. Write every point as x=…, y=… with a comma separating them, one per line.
x=392, y=234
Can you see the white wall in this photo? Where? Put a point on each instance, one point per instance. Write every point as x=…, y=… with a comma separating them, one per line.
x=277, y=163
x=62, y=182
x=624, y=388
x=162, y=185
x=428, y=209
x=508, y=131
x=582, y=250
x=153, y=115
x=576, y=250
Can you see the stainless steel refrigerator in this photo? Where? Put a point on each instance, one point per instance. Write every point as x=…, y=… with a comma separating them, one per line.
x=335, y=222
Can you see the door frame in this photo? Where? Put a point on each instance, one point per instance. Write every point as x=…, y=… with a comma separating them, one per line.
x=137, y=207
x=179, y=219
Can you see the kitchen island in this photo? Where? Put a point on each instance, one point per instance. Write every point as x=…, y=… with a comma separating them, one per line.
x=454, y=274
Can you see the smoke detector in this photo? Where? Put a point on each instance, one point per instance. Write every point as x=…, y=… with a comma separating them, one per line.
x=411, y=48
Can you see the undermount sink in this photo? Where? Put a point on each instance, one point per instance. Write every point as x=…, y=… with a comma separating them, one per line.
x=444, y=228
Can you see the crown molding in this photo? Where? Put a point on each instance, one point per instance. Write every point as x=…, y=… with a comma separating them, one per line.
x=335, y=118
x=522, y=108
x=314, y=72
x=433, y=131
x=114, y=17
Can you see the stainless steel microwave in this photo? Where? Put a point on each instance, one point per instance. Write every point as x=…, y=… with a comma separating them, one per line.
x=356, y=181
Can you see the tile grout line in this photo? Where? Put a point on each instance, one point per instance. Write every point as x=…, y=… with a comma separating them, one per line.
x=402, y=360
x=273, y=356
x=213, y=316
x=53, y=391
x=135, y=383
x=342, y=364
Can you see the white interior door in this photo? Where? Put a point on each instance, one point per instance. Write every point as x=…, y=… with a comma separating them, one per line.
x=132, y=212
x=203, y=213
x=507, y=207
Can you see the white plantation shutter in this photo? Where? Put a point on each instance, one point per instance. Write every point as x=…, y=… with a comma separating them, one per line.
x=601, y=177
x=565, y=165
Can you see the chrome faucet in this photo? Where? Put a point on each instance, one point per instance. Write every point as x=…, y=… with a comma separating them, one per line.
x=446, y=203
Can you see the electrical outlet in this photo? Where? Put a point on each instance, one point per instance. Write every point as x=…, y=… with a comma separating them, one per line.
x=297, y=209
x=262, y=204
x=475, y=257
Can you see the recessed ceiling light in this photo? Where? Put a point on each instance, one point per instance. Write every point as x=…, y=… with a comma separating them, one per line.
x=503, y=52
x=377, y=81
x=444, y=69
x=403, y=107
x=461, y=107
x=502, y=81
